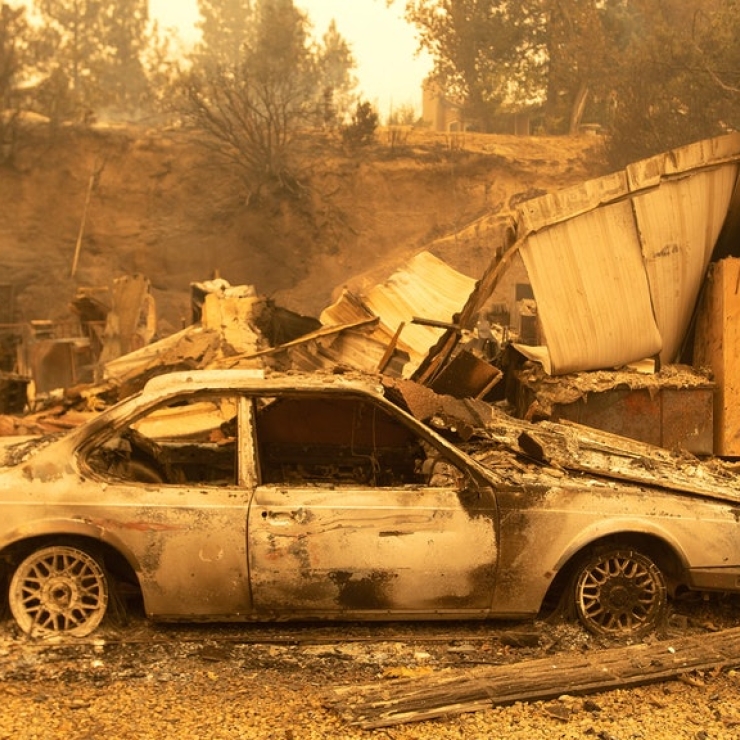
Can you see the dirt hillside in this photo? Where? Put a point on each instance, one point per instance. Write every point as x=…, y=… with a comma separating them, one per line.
x=157, y=205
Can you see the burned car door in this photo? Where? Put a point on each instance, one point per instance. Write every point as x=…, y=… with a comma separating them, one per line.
x=355, y=512
x=173, y=475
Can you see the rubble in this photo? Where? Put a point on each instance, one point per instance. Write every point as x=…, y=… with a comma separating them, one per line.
x=432, y=325
x=431, y=347
x=671, y=408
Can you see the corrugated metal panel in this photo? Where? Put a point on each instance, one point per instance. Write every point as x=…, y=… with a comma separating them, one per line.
x=424, y=287
x=706, y=153
x=360, y=351
x=679, y=224
x=553, y=208
x=347, y=309
x=616, y=263
x=594, y=309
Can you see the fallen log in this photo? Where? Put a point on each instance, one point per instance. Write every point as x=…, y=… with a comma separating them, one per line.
x=452, y=692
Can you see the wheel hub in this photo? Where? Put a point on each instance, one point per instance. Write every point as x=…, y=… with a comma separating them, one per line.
x=621, y=593
x=618, y=596
x=59, y=589
x=59, y=594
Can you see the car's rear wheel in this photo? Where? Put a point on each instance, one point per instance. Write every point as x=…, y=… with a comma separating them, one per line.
x=620, y=593
x=58, y=590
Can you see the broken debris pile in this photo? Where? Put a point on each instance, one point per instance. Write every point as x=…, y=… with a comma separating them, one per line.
x=585, y=282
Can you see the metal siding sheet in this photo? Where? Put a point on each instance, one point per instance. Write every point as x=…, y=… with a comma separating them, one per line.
x=347, y=309
x=424, y=287
x=706, y=153
x=616, y=263
x=547, y=210
x=679, y=224
x=358, y=350
x=592, y=293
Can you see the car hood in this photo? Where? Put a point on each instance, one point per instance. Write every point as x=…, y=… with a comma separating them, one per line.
x=520, y=453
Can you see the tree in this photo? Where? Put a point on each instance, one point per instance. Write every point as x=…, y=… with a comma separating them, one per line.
x=12, y=28
x=121, y=77
x=94, y=48
x=227, y=28
x=361, y=130
x=656, y=73
x=73, y=31
x=676, y=81
x=250, y=113
x=580, y=54
x=162, y=68
x=335, y=64
x=479, y=52
x=495, y=56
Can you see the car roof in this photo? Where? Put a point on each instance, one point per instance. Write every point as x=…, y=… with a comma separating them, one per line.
x=257, y=380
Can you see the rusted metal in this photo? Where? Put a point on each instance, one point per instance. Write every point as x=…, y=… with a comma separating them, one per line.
x=664, y=414
x=679, y=418
x=466, y=376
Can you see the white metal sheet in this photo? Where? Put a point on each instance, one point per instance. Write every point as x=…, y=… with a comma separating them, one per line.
x=425, y=287
x=679, y=224
x=592, y=293
x=616, y=263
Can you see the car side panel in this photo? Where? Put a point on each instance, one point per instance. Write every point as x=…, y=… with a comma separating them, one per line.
x=543, y=528
x=186, y=545
x=332, y=553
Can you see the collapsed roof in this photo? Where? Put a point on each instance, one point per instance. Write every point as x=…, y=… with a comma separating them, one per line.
x=617, y=263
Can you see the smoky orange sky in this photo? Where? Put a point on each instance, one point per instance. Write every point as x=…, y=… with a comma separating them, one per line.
x=384, y=45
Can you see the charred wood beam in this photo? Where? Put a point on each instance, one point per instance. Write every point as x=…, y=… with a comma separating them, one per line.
x=448, y=693
x=437, y=324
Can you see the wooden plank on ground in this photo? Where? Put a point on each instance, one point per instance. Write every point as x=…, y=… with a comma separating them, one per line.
x=455, y=692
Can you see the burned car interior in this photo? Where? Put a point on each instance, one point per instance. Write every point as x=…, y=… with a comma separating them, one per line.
x=300, y=440
x=189, y=440
x=337, y=440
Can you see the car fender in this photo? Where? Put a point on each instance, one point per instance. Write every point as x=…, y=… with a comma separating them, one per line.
x=66, y=528
x=612, y=527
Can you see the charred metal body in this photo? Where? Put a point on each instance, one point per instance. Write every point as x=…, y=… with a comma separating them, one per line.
x=225, y=495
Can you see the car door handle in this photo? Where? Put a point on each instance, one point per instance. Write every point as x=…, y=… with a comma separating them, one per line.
x=298, y=516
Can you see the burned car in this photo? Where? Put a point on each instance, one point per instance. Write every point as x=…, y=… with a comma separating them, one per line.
x=226, y=495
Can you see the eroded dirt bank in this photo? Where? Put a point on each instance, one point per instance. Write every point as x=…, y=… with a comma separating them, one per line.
x=157, y=205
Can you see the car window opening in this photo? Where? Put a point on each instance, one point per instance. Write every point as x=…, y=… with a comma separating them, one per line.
x=188, y=441
x=300, y=441
x=339, y=441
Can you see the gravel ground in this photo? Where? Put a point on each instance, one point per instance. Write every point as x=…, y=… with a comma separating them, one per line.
x=272, y=682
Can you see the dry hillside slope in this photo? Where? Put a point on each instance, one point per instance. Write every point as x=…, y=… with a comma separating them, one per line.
x=156, y=205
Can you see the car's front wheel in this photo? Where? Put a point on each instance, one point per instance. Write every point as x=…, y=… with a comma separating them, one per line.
x=620, y=593
x=58, y=590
